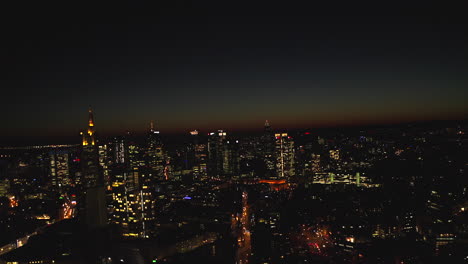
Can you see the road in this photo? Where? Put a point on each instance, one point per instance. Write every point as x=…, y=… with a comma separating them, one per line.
x=244, y=244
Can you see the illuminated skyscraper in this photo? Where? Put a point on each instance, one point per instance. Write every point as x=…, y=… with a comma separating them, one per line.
x=126, y=207
x=200, y=156
x=90, y=155
x=95, y=201
x=220, y=154
x=284, y=153
x=119, y=151
x=147, y=198
x=104, y=162
x=223, y=155
x=154, y=152
x=215, y=142
x=132, y=206
x=135, y=156
x=267, y=150
x=59, y=169
x=231, y=158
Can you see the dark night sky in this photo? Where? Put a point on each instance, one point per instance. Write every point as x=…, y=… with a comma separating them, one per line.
x=211, y=66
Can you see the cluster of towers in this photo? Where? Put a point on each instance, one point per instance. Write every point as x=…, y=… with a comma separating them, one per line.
x=124, y=172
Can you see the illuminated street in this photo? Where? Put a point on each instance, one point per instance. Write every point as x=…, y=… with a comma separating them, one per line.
x=244, y=240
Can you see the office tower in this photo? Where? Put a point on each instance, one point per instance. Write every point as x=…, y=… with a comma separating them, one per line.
x=200, y=156
x=147, y=197
x=90, y=155
x=104, y=162
x=267, y=150
x=231, y=158
x=215, y=145
x=284, y=153
x=154, y=152
x=119, y=152
x=132, y=184
x=95, y=203
x=126, y=208
x=305, y=143
x=76, y=169
x=59, y=169
x=135, y=155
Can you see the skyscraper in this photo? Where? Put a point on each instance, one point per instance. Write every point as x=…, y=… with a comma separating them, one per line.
x=95, y=199
x=217, y=160
x=126, y=208
x=284, y=154
x=104, y=162
x=119, y=151
x=198, y=156
x=90, y=155
x=267, y=150
x=231, y=158
x=59, y=169
x=154, y=152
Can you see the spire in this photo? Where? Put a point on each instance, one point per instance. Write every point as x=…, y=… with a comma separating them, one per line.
x=91, y=118
x=151, y=126
x=267, y=126
x=88, y=137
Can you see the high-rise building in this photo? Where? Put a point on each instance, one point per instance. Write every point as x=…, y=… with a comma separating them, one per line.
x=90, y=155
x=59, y=169
x=119, y=150
x=132, y=184
x=200, y=156
x=216, y=141
x=95, y=199
x=231, y=158
x=305, y=144
x=135, y=156
x=104, y=162
x=267, y=150
x=154, y=152
x=284, y=153
x=126, y=208
x=223, y=155
x=147, y=197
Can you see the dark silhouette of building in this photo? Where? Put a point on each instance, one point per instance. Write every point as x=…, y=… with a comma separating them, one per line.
x=95, y=199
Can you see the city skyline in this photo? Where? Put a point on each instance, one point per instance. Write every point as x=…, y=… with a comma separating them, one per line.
x=59, y=137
